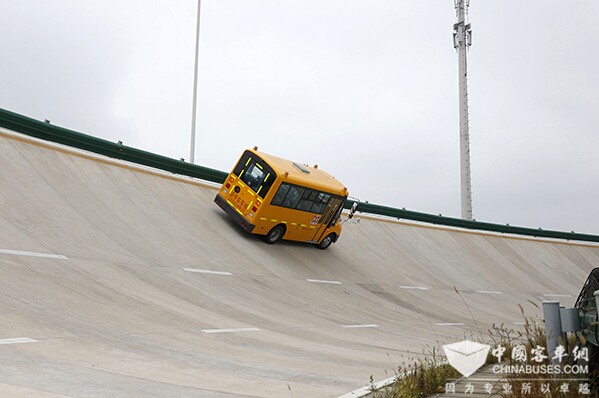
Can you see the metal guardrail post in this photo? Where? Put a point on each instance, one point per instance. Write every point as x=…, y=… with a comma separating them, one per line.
x=553, y=325
x=570, y=320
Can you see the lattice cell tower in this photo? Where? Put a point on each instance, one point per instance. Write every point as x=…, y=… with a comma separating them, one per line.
x=462, y=39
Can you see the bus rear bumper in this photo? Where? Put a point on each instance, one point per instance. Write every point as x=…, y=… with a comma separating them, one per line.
x=238, y=218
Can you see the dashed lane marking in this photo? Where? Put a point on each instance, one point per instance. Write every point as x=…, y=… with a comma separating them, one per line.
x=239, y=330
x=206, y=271
x=33, y=254
x=360, y=326
x=324, y=281
x=18, y=340
x=413, y=287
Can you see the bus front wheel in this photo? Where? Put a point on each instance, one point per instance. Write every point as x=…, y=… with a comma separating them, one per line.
x=275, y=234
x=326, y=242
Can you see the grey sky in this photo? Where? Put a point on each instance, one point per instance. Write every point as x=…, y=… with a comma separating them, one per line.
x=367, y=90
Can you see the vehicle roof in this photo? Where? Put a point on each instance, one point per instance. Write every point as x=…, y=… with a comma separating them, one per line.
x=316, y=178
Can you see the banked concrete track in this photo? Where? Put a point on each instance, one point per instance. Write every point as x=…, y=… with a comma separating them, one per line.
x=93, y=255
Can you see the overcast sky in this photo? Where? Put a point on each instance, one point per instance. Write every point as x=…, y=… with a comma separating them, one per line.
x=368, y=90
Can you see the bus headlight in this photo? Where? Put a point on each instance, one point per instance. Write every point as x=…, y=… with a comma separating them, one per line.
x=251, y=214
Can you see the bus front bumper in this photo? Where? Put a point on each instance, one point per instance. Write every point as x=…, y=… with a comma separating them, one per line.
x=230, y=210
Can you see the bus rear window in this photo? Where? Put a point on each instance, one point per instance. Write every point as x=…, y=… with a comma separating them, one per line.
x=255, y=173
x=254, y=177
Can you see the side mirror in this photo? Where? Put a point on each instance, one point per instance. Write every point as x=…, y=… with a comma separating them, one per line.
x=353, y=210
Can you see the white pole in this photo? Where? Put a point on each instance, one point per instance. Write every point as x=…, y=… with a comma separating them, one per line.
x=462, y=40
x=195, y=90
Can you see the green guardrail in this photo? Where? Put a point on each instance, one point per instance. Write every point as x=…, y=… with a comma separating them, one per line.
x=468, y=224
x=46, y=131
x=49, y=132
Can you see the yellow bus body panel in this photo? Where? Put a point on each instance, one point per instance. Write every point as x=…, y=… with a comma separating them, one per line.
x=258, y=216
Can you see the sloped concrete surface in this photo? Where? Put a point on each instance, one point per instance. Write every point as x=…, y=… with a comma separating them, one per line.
x=93, y=259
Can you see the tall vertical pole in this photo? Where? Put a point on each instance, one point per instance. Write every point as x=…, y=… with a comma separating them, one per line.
x=192, y=149
x=462, y=39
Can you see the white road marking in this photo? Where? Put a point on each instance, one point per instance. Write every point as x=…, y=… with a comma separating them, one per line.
x=360, y=326
x=449, y=324
x=17, y=340
x=366, y=391
x=557, y=295
x=32, y=254
x=520, y=323
x=489, y=292
x=206, y=271
x=327, y=282
x=413, y=287
x=213, y=331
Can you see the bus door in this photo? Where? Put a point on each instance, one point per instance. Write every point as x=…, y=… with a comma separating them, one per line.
x=323, y=221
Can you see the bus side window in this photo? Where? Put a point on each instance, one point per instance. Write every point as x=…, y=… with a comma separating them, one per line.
x=320, y=202
x=306, y=202
x=278, y=198
x=293, y=196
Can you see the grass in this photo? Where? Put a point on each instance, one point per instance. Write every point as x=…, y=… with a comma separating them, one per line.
x=428, y=375
x=419, y=377
x=539, y=385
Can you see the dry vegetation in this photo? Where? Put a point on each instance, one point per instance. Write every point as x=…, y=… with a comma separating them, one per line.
x=424, y=377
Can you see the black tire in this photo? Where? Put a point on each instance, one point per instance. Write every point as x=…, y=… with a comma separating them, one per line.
x=326, y=242
x=275, y=234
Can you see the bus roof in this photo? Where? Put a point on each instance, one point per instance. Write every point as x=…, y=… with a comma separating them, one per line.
x=311, y=177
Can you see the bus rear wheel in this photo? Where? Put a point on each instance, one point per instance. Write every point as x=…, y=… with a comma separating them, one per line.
x=275, y=234
x=326, y=242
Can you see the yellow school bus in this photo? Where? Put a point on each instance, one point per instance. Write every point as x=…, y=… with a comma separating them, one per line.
x=281, y=199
